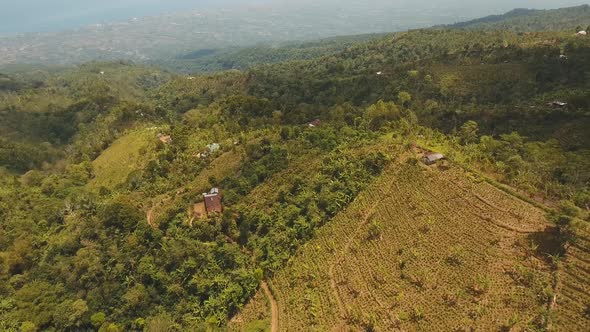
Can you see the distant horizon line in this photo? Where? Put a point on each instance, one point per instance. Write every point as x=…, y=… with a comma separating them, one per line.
x=85, y=21
x=14, y=33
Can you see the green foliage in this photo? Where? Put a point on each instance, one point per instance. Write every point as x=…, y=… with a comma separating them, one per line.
x=162, y=322
x=380, y=113
x=468, y=132
x=28, y=327
x=21, y=157
x=244, y=108
x=98, y=319
x=120, y=213
x=565, y=219
x=374, y=231
x=405, y=97
x=249, y=57
x=77, y=251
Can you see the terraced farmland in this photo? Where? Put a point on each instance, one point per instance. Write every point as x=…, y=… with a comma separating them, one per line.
x=572, y=307
x=421, y=249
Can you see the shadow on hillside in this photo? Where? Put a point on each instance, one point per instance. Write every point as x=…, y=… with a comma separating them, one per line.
x=546, y=243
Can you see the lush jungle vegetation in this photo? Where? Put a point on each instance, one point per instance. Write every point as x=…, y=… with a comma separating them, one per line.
x=95, y=228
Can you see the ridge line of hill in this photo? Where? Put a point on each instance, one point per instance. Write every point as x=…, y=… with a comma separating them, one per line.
x=523, y=19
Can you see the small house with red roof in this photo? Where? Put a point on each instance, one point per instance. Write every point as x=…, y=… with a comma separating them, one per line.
x=213, y=203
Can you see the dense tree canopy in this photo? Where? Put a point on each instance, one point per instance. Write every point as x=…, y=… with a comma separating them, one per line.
x=79, y=250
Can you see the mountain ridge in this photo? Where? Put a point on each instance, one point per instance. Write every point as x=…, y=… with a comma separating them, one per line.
x=168, y=36
x=329, y=194
x=522, y=20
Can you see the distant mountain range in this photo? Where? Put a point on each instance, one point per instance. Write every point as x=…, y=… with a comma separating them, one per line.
x=166, y=37
x=517, y=20
x=521, y=20
x=424, y=180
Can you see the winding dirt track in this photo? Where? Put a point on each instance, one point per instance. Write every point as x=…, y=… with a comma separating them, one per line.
x=274, y=308
x=157, y=202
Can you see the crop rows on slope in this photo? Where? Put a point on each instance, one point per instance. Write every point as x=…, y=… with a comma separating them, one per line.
x=436, y=247
x=441, y=258
x=303, y=288
x=518, y=215
x=317, y=305
x=255, y=314
x=572, y=308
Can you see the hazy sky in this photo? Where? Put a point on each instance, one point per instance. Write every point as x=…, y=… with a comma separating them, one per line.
x=50, y=15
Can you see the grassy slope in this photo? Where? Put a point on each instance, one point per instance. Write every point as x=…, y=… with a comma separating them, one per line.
x=425, y=217
x=124, y=156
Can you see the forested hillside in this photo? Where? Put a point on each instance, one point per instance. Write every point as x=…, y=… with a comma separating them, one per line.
x=244, y=58
x=571, y=19
x=319, y=163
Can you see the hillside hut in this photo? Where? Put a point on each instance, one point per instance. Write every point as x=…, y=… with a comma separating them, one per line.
x=213, y=203
x=314, y=123
x=432, y=157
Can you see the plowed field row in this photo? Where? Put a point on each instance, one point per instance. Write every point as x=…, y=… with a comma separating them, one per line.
x=447, y=256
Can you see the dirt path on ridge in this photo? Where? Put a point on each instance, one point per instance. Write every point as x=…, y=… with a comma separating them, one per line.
x=274, y=307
